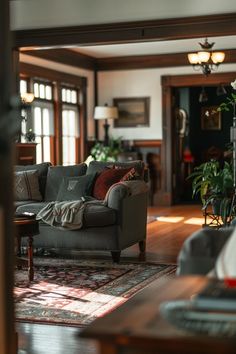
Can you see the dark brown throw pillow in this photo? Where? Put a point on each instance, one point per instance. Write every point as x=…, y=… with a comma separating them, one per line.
x=106, y=179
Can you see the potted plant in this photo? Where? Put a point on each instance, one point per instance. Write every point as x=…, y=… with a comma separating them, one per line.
x=214, y=184
x=110, y=152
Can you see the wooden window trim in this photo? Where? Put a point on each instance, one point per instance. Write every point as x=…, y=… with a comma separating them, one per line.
x=60, y=80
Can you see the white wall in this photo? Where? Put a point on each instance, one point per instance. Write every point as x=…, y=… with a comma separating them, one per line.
x=74, y=71
x=140, y=83
x=27, y=14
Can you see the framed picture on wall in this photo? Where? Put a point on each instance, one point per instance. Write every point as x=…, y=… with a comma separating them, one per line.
x=133, y=112
x=210, y=118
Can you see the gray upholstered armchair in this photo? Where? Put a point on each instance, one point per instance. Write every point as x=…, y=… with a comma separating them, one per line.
x=200, y=250
x=113, y=226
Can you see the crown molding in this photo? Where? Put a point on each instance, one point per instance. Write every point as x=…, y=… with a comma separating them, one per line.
x=77, y=59
x=153, y=61
x=53, y=75
x=64, y=56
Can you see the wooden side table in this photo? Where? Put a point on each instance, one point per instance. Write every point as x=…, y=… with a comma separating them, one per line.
x=137, y=326
x=25, y=153
x=26, y=227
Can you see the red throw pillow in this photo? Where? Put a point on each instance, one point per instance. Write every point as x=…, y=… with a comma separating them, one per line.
x=106, y=179
x=130, y=175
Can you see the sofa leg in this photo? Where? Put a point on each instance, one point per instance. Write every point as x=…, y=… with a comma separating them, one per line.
x=142, y=246
x=116, y=256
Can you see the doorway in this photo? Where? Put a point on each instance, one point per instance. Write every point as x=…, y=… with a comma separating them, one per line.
x=182, y=153
x=202, y=133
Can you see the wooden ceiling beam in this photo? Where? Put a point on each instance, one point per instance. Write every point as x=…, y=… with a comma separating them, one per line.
x=138, y=31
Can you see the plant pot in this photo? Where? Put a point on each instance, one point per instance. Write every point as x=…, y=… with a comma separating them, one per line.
x=221, y=207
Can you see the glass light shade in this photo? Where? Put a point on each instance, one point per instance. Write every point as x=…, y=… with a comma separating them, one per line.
x=220, y=91
x=217, y=57
x=193, y=58
x=105, y=112
x=203, y=96
x=27, y=97
x=203, y=57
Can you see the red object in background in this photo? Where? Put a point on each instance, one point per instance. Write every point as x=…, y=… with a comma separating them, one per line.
x=187, y=155
x=230, y=282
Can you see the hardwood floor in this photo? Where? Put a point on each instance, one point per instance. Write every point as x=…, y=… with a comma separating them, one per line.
x=165, y=237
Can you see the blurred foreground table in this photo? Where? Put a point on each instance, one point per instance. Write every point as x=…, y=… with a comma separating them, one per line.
x=137, y=326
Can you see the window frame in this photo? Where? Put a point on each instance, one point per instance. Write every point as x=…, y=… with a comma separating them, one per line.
x=77, y=138
x=61, y=80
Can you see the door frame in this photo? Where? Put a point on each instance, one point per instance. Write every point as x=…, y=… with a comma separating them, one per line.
x=168, y=83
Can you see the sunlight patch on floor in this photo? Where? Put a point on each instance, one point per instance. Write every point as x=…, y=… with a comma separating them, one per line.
x=194, y=221
x=171, y=219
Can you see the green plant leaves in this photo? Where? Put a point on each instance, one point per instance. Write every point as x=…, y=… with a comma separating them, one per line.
x=101, y=152
x=211, y=181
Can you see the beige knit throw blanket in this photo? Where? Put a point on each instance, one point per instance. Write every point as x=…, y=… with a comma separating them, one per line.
x=66, y=214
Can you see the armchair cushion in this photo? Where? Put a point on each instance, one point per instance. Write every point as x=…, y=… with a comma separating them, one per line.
x=106, y=179
x=27, y=186
x=98, y=216
x=73, y=188
x=19, y=203
x=95, y=215
x=42, y=169
x=31, y=206
x=55, y=176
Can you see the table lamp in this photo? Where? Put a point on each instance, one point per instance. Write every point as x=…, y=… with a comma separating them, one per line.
x=105, y=112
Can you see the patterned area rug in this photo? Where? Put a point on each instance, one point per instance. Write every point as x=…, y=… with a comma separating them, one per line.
x=76, y=292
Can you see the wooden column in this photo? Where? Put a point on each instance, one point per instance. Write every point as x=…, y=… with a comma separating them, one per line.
x=7, y=328
x=166, y=161
x=96, y=101
x=57, y=124
x=83, y=121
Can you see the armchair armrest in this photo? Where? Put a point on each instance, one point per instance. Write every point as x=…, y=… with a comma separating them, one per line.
x=121, y=190
x=199, y=251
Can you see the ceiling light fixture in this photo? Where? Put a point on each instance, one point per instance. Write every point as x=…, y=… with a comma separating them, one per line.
x=27, y=97
x=206, y=60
